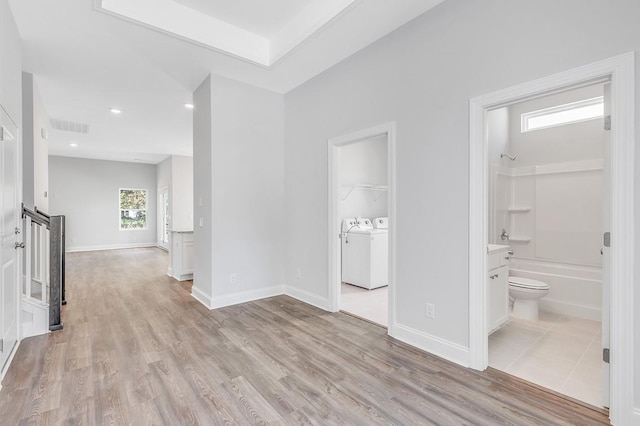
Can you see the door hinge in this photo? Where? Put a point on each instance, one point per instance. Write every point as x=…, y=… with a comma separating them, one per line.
x=607, y=239
x=1, y=134
x=1, y=345
x=607, y=122
x=605, y=355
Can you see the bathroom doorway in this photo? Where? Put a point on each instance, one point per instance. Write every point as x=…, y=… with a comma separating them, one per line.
x=546, y=209
x=618, y=71
x=361, y=249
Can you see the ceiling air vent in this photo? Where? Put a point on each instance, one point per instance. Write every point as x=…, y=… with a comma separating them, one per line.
x=69, y=126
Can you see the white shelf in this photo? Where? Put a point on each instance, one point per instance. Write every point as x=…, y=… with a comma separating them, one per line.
x=519, y=209
x=364, y=186
x=519, y=239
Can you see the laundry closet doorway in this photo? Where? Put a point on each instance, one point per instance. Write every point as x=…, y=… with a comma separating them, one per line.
x=361, y=224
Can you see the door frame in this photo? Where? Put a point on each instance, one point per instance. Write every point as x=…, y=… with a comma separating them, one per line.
x=619, y=70
x=19, y=257
x=334, y=248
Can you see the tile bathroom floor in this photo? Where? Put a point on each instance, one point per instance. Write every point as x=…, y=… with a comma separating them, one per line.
x=557, y=352
x=368, y=304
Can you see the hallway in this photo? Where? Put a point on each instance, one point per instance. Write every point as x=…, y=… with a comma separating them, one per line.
x=138, y=349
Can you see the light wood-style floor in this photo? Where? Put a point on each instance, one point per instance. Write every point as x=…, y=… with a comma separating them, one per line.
x=137, y=349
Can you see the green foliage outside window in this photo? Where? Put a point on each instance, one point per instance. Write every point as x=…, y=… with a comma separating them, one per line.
x=133, y=209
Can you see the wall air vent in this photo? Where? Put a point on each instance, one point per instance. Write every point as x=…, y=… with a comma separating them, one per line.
x=69, y=126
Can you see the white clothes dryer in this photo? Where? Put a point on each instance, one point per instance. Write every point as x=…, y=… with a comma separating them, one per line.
x=365, y=255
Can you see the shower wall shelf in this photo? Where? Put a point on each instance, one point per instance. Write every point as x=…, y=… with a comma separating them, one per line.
x=519, y=209
x=369, y=187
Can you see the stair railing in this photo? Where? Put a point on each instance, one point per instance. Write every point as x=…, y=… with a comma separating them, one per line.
x=45, y=262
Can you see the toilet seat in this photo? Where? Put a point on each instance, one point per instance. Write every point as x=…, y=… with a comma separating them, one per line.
x=527, y=283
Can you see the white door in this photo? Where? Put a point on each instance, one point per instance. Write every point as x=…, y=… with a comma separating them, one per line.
x=8, y=227
x=606, y=265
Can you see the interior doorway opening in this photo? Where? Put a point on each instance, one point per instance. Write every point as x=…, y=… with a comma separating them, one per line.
x=363, y=212
x=619, y=71
x=548, y=203
x=361, y=224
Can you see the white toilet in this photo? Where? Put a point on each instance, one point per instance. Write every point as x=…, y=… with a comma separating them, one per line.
x=525, y=293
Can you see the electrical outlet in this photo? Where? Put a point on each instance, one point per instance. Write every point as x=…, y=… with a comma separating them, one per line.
x=431, y=310
x=201, y=222
x=233, y=278
x=298, y=273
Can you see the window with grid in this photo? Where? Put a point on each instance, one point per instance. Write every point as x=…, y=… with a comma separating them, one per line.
x=133, y=209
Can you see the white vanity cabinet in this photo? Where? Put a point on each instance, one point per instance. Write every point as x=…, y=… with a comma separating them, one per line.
x=497, y=287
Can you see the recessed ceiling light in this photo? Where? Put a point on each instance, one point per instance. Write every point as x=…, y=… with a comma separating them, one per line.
x=73, y=145
x=189, y=106
x=115, y=111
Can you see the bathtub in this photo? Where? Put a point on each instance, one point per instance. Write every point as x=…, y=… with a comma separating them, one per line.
x=573, y=289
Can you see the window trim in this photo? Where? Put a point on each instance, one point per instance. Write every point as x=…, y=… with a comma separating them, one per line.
x=146, y=210
x=527, y=116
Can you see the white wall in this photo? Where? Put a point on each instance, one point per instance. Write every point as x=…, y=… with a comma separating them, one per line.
x=498, y=137
x=202, y=192
x=248, y=189
x=498, y=120
x=35, y=151
x=176, y=173
x=238, y=162
x=571, y=142
x=87, y=193
x=10, y=71
x=181, y=193
x=163, y=173
x=422, y=77
x=363, y=162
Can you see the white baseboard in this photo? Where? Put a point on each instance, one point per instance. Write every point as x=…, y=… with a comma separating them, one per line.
x=183, y=277
x=579, y=311
x=443, y=348
x=245, y=296
x=249, y=296
x=308, y=298
x=109, y=247
x=201, y=297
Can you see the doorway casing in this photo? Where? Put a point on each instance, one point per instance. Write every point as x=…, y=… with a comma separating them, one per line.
x=619, y=71
x=334, y=144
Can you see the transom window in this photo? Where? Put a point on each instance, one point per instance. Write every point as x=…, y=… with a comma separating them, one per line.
x=588, y=109
x=133, y=209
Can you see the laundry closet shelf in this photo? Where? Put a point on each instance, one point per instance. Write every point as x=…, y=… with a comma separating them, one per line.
x=519, y=209
x=364, y=186
x=519, y=239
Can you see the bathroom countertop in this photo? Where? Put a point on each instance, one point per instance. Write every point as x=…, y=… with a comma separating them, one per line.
x=497, y=248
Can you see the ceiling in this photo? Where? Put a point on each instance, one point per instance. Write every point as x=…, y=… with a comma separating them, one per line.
x=88, y=57
x=265, y=18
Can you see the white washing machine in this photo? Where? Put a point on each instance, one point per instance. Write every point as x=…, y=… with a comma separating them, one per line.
x=365, y=252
